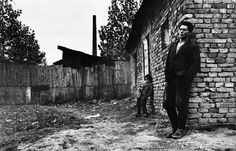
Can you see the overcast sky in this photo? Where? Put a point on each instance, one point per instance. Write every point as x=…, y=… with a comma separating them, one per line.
x=63, y=22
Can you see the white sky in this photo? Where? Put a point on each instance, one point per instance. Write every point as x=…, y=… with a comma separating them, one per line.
x=63, y=22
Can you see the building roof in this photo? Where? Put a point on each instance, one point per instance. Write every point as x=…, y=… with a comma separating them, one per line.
x=73, y=58
x=142, y=22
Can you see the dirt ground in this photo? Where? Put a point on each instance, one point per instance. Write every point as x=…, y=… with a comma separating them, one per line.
x=100, y=126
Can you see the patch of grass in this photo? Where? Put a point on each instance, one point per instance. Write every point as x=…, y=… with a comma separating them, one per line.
x=28, y=123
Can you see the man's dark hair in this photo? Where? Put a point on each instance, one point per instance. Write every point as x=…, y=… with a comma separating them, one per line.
x=149, y=77
x=188, y=24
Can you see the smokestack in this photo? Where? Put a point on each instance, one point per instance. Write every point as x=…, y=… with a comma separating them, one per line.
x=94, y=36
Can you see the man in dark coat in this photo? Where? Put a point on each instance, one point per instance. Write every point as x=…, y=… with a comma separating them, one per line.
x=182, y=64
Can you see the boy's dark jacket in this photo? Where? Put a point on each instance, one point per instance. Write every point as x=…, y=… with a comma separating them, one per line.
x=146, y=91
x=186, y=62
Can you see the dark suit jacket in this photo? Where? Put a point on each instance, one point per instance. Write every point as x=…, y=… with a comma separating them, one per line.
x=185, y=63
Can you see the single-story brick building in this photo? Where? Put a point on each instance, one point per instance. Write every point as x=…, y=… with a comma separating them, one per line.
x=213, y=92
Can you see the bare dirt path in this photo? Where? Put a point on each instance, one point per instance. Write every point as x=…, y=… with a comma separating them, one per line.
x=112, y=136
x=112, y=126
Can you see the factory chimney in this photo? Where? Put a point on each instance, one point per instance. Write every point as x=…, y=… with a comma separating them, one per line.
x=94, y=36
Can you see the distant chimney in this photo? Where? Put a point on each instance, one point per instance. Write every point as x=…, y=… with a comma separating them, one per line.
x=94, y=36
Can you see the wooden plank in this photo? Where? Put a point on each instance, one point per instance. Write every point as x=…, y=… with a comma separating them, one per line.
x=91, y=82
x=2, y=74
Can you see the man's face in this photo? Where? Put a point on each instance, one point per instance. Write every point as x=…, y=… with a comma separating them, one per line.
x=183, y=31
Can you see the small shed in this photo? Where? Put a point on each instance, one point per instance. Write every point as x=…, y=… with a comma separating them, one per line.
x=75, y=59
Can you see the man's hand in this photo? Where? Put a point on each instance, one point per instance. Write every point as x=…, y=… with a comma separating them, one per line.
x=164, y=97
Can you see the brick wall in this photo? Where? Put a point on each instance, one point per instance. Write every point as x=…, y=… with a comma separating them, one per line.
x=213, y=93
x=215, y=89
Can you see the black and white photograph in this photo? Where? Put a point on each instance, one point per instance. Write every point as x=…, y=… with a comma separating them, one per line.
x=117, y=75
